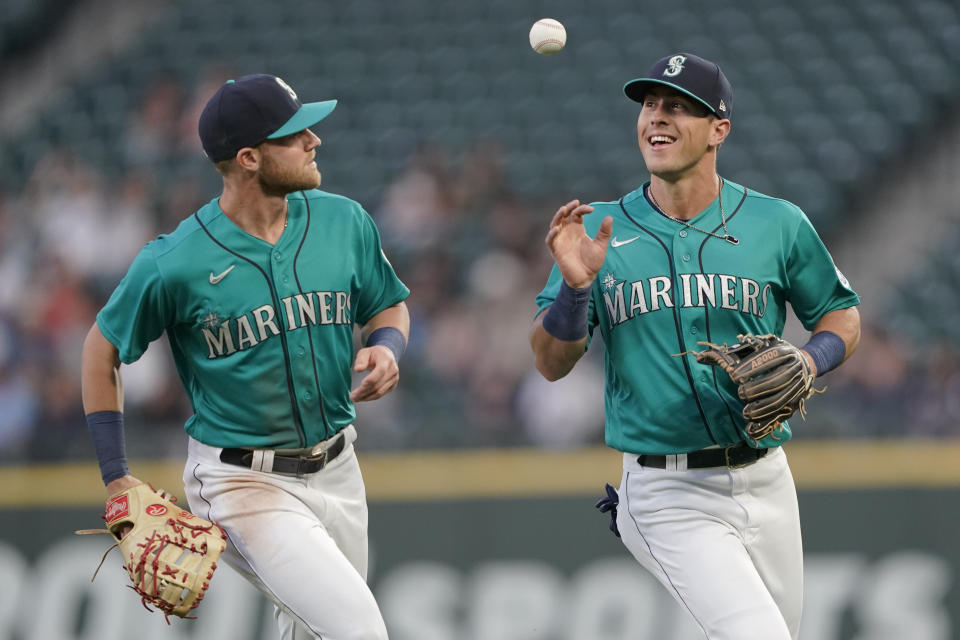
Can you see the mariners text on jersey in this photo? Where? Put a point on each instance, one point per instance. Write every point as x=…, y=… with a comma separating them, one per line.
x=300, y=310
x=626, y=301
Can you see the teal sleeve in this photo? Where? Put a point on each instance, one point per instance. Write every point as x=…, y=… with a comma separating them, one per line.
x=816, y=286
x=380, y=287
x=139, y=309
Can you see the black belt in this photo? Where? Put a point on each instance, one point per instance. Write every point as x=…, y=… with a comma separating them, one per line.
x=738, y=455
x=293, y=465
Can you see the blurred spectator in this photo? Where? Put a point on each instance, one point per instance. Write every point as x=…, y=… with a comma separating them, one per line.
x=934, y=410
x=152, y=130
x=17, y=245
x=868, y=396
x=18, y=396
x=57, y=435
x=126, y=226
x=417, y=208
x=65, y=205
x=480, y=185
x=566, y=413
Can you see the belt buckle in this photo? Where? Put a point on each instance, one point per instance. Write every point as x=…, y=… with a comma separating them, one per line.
x=319, y=455
x=729, y=463
x=319, y=459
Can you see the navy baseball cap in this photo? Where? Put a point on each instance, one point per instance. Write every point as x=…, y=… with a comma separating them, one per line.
x=246, y=111
x=696, y=77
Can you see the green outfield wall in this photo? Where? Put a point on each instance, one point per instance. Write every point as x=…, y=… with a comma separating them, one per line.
x=506, y=545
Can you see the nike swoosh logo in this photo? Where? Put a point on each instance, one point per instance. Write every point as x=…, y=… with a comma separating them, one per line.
x=620, y=243
x=215, y=279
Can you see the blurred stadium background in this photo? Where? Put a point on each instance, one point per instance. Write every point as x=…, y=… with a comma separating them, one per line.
x=461, y=142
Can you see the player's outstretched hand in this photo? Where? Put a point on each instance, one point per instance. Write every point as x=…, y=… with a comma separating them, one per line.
x=383, y=377
x=578, y=256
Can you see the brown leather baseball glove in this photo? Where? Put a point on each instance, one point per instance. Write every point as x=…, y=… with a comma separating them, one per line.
x=774, y=379
x=170, y=554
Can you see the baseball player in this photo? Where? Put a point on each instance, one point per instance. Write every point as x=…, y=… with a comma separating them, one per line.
x=690, y=257
x=258, y=293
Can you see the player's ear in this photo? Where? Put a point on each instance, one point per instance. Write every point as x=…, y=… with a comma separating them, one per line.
x=719, y=131
x=248, y=158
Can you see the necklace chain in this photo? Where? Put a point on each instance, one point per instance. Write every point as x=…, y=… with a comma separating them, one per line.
x=723, y=219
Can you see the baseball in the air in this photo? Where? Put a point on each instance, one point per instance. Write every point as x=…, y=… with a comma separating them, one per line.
x=547, y=36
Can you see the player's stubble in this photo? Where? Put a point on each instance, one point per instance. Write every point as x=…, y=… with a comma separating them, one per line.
x=279, y=179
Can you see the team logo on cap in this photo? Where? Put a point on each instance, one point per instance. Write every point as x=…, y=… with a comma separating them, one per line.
x=287, y=87
x=674, y=66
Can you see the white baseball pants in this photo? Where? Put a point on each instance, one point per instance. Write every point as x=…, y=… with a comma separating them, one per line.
x=724, y=542
x=301, y=541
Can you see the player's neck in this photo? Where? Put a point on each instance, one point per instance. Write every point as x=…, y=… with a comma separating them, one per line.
x=260, y=215
x=686, y=197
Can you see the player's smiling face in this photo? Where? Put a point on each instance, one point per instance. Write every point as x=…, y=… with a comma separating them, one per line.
x=675, y=132
x=287, y=164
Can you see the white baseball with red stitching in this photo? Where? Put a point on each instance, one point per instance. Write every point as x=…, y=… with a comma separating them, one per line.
x=547, y=36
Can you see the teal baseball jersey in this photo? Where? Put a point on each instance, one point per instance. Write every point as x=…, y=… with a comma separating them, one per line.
x=261, y=334
x=665, y=286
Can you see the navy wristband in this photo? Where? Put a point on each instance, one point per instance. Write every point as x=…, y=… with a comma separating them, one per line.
x=827, y=350
x=566, y=319
x=389, y=337
x=106, y=429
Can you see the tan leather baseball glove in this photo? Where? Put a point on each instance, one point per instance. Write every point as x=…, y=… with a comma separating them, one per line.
x=170, y=554
x=774, y=379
